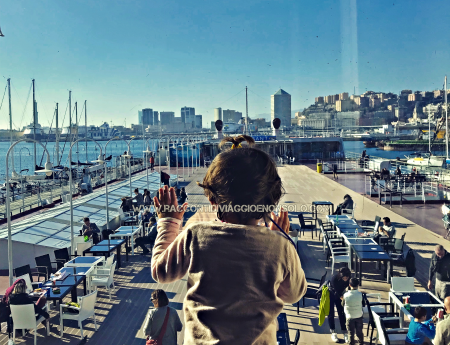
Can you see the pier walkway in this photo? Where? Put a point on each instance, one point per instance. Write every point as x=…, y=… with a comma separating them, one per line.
x=122, y=318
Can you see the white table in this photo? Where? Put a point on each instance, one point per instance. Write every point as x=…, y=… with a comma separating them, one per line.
x=122, y=232
x=85, y=261
x=403, y=311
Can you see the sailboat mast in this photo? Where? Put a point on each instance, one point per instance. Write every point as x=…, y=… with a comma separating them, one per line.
x=10, y=122
x=34, y=124
x=446, y=116
x=57, y=136
x=246, y=112
x=70, y=116
x=85, y=129
x=76, y=126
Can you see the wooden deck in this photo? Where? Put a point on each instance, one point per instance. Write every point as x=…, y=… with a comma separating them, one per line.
x=121, y=319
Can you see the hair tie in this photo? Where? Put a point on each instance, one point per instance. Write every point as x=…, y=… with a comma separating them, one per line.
x=236, y=147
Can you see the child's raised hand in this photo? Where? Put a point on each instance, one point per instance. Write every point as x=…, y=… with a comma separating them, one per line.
x=282, y=220
x=167, y=204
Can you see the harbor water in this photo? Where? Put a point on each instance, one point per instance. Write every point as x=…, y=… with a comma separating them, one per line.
x=24, y=152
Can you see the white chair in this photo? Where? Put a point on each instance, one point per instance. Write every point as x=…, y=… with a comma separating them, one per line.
x=27, y=279
x=81, y=247
x=349, y=211
x=394, y=336
x=339, y=254
x=85, y=311
x=104, y=278
x=402, y=284
x=24, y=318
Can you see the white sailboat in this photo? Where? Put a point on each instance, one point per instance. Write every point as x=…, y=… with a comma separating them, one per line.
x=425, y=159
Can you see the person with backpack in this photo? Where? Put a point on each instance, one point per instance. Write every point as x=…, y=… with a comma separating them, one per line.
x=353, y=309
x=241, y=268
x=162, y=322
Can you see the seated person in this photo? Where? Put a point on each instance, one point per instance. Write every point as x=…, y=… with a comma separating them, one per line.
x=149, y=239
x=144, y=216
x=347, y=205
x=138, y=197
x=125, y=205
x=386, y=230
x=419, y=328
x=19, y=296
x=90, y=230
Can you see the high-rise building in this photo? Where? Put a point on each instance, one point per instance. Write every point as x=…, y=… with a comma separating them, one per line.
x=281, y=107
x=319, y=100
x=188, y=115
x=217, y=114
x=140, y=116
x=166, y=117
x=228, y=115
x=146, y=117
x=343, y=96
x=237, y=116
x=155, y=118
x=198, y=121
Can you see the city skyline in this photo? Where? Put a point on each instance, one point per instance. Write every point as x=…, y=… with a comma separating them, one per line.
x=100, y=51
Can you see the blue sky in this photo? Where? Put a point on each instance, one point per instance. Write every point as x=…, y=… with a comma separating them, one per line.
x=122, y=56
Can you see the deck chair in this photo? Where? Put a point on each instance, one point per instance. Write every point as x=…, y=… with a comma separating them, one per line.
x=395, y=336
x=304, y=226
x=85, y=311
x=24, y=318
x=382, y=312
x=402, y=284
x=45, y=265
x=349, y=211
x=26, y=269
x=311, y=291
x=297, y=336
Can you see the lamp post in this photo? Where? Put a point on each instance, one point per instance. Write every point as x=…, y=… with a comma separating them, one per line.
x=147, y=152
x=187, y=153
x=21, y=177
x=48, y=167
x=103, y=160
x=129, y=156
x=70, y=189
x=20, y=157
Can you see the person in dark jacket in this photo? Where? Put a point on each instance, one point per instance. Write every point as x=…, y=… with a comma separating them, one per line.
x=335, y=175
x=338, y=285
x=90, y=230
x=149, y=239
x=138, y=197
x=147, y=198
x=183, y=196
x=440, y=267
x=20, y=297
x=165, y=178
x=346, y=205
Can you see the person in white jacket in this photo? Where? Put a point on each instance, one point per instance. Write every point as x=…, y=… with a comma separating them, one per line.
x=353, y=309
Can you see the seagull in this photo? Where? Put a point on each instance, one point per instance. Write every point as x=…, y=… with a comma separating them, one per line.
x=1, y=34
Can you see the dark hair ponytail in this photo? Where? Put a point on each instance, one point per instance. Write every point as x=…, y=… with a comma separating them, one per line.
x=243, y=176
